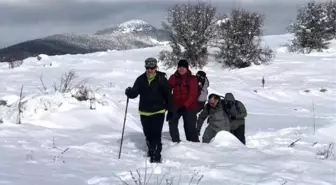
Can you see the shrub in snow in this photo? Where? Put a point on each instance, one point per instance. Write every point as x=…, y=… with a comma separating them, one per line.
x=3, y=103
x=311, y=30
x=65, y=82
x=323, y=90
x=190, y=27
x=146, y=178
x=239, y=40
x=327, y=152
x=83, y=93
x=14, y=64
x=31, y=106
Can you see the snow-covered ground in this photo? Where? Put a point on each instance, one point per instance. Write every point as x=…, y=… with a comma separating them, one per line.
x=63, y=141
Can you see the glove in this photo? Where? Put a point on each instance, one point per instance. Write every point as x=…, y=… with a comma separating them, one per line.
x=169, y=116
x=127, y=91
x=181, y=110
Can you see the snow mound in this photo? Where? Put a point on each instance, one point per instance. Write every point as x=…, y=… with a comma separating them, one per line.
x=225, y=139
x=32, y=106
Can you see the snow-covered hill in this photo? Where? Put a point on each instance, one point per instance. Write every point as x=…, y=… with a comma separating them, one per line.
x=128, y=35
x=135, y=28
x=63, y=141
x=128, y=27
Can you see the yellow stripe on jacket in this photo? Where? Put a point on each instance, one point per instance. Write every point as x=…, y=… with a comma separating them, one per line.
x=152, y=113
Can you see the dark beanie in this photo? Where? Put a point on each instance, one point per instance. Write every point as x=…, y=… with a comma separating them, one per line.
x=214, y=96
x=183, y=63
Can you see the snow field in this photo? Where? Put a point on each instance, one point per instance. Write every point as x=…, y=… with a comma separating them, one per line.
x=278, y=115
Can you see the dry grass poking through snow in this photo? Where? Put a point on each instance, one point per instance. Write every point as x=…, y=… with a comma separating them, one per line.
x=145, y=179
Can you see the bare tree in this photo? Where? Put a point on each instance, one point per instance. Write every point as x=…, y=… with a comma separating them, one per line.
x=190, y=27
x=65, y=82
x=239, y=40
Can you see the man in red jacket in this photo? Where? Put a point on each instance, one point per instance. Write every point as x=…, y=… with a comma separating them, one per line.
x=185, y=88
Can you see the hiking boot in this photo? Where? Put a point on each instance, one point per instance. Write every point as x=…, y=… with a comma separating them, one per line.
x=150, y=150
x=156, y=156
x=156, y=159
x=149, y=153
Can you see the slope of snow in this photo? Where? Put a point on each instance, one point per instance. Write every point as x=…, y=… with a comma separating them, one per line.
x=63, y=141
x=133, y=25
x=133, y=22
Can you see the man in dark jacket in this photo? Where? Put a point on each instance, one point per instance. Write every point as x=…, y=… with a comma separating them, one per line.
x=218, y=119
x=237, y=113
x=155, y=99
x=185, y=95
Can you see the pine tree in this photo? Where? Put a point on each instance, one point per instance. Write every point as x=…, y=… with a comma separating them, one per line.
x=190, y=27
x=330, y=9
x=239, y=40
x=310, y=29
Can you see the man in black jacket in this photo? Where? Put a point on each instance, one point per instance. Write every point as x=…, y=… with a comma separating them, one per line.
x=155, y=99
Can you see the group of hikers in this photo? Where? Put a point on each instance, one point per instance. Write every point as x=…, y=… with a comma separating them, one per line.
x=183, y=95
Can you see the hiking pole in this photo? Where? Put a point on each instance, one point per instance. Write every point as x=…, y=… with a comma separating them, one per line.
x=123, y=130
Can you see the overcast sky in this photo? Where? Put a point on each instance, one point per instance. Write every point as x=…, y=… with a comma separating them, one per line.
x=22, y=20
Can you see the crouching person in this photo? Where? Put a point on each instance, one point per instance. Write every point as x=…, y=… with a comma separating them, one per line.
x=237, y=113
x=218, y=119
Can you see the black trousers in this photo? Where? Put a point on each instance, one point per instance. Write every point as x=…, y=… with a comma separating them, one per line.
x=200, y=106
x=240, y=133
x=152, y=128
x=189, y=119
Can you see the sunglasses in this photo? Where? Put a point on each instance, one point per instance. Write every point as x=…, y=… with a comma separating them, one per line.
x=150, y=68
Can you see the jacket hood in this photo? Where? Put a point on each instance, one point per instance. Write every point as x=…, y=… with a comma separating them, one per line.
x=229, y=97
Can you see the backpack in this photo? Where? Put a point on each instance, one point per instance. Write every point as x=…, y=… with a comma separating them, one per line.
x=223, y=105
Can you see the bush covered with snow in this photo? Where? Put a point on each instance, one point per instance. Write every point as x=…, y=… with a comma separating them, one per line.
x=32, y=106
x=314, y=26
x=3, y=103
x=239, y=40
x=35, y=106
x=190, y=26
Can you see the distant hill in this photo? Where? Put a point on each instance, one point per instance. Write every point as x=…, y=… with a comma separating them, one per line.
x=128, y=35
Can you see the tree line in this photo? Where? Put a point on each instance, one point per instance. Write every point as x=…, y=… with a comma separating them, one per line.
x=193, y=27
x=236, y=36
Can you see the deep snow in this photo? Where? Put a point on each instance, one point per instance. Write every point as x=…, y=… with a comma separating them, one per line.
x=280, y=113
